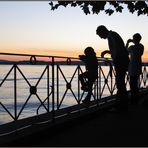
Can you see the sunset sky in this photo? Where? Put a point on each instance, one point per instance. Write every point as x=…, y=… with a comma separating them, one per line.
x=32, y=28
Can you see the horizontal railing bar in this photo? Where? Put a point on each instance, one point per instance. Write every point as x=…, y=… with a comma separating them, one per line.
x=48, y=56
x=17, y=54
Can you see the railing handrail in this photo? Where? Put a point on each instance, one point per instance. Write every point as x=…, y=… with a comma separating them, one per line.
x=49, y=56
x=36, y=55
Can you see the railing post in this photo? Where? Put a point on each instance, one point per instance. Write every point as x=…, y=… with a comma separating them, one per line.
x=15, y=94
x=53, y=100
x=57, y=87
x=78, y=84
x=110, y=71
x=97, y=90
x=99, y=87
x=48, y=86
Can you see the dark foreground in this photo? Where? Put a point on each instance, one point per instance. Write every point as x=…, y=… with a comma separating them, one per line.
x=106, y=128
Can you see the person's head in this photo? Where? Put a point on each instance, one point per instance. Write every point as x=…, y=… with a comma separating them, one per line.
x=136, y=38
x=102, y=31
x=89, y=51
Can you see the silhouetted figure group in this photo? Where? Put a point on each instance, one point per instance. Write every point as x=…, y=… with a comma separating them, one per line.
x=122, y=63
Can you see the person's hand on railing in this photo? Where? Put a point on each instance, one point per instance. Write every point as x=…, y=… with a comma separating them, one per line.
x=82, y=58
x=104, y=53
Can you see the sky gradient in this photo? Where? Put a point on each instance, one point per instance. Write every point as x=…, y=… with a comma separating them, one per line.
x=32, y=28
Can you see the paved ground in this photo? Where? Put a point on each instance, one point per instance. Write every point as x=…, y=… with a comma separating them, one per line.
x=100, y=129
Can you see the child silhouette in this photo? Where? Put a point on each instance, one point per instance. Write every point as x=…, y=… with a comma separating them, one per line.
x=90, y=75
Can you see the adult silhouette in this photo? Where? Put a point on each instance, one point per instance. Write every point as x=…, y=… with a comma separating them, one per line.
x=120, y=58
x=90, y=75
x=135, y=65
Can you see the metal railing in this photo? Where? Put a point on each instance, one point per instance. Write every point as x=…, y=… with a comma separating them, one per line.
x=61, y=89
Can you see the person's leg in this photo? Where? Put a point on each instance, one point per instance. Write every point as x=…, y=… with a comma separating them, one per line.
x=82, y=78
x=91, y=79
x=88, y=97
x=122, y=96
x=134, y=89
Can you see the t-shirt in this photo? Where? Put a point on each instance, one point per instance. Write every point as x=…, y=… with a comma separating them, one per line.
x=135, y=65
x=91, y=64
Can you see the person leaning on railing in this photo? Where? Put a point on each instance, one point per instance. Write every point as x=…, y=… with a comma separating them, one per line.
x=90, y=75
x=120, y=58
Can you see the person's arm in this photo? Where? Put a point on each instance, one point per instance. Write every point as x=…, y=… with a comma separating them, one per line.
x=104, y=52
x=127, y=44
x=83, y=58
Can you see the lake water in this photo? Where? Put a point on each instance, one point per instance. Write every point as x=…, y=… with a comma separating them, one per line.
x=30, y=75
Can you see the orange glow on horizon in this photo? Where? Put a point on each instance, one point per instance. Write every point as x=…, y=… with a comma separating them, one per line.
x=61, y=53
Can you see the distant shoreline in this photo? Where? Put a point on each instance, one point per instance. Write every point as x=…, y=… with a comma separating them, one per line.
x=7, y=62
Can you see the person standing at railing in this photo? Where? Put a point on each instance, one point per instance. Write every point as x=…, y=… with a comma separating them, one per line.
x=120, y=58
x=135, y=65
x=90, y=75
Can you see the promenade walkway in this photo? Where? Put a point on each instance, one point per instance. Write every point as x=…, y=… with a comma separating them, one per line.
x=105, y=128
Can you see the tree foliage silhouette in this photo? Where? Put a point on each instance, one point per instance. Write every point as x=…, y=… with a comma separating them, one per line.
x=95, y=7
